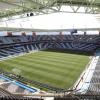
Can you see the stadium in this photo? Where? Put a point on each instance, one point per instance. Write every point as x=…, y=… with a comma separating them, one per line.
x=49, y=49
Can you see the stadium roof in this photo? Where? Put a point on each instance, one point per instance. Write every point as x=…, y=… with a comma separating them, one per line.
x=13, y=7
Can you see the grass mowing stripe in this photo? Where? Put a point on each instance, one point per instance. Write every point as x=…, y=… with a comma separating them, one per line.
x=67, y=60
x=35, y=76
x=45, y=64
x=51, y=59
x=64, y=58
x=67, y=79
x=58, y=69
x=42, y=67
x=29, y=68
x=43, y=73
x=58, y=61
x=60, y=54
x=57, y=64
x=53, y=55
x=42, y=60
x=61, y=78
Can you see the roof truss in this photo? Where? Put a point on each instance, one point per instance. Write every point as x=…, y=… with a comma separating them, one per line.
x=48, y=6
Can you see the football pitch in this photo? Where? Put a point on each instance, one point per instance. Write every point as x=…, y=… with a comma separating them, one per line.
x=58, y=69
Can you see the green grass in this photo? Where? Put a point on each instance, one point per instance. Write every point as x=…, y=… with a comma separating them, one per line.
x=54, y=68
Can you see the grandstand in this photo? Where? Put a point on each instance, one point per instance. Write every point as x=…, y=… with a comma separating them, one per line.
x=49, y=49
x=13, y=45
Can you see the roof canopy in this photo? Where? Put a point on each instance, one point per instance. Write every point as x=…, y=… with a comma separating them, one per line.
x=14, y=7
